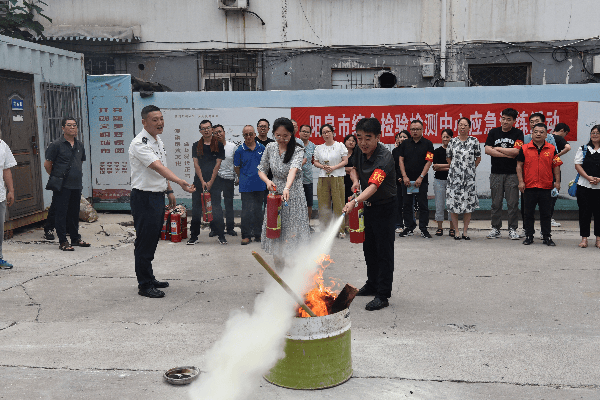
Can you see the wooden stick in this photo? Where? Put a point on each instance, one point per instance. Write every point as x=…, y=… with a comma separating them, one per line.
x=284, y=285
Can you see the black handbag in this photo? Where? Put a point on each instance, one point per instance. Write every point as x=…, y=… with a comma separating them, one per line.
x=55, y=183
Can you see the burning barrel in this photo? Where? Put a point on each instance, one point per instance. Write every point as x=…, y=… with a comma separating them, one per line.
x=317, y=353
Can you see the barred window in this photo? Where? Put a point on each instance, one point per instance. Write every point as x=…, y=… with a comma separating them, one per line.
x=356, y=78
x=230, y=71
x=58, y=102
x=500, y=74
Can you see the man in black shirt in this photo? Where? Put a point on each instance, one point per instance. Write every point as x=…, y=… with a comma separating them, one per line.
x=416, y=156
x=374, y=172
x=64, y=157
x=503, y=144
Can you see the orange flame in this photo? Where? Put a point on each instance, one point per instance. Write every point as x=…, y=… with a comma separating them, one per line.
x=320, y=297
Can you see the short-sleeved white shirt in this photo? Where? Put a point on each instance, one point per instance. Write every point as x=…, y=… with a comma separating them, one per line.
x=331, y=155
x=7, y=160
x=143, y=151
x=226, y=169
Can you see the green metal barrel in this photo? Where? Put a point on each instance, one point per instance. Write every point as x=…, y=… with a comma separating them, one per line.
x=317, y=353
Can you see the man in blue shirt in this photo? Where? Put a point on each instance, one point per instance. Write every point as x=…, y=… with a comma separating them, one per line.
x=245, y=161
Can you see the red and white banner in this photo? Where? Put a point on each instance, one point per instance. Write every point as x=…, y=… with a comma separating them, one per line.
x=435, y=118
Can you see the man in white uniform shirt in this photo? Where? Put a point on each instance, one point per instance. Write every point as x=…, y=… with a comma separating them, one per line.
x=7, y=191
x=149, y=182
x=226, y=178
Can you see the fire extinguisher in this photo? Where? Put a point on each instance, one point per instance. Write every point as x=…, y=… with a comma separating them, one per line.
x=176, y=228
x=356, y=220
x=206, y=207
x=273, y=215
x=165, y=233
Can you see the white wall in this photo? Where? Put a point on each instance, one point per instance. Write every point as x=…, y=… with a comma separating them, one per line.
x=199, y=24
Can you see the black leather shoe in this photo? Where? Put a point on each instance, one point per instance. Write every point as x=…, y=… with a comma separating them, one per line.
x=528, y=240
x=160, y=285
x=549, y=242
x=376, y=304
x=366, y=291
x=151, y=292
x=212, y=234
x=231, y=232
x=257, y=239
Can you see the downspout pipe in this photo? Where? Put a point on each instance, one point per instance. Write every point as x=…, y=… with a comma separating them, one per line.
x=443, y=41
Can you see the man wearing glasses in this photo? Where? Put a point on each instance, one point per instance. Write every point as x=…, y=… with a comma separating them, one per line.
x=64, y=158
x=416, y=156
x=263, y=129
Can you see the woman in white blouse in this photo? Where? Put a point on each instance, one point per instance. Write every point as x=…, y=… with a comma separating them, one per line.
x=588, y=187
x=330, y=158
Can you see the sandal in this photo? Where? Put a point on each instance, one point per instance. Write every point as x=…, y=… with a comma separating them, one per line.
x=584, y=243
x=65, y=246
x=80, y=243
x=452, y=233
x=465, y=237
x=439, y=232
x=456, y=237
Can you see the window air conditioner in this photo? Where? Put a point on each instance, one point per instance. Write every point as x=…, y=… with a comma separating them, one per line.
x=233, y=4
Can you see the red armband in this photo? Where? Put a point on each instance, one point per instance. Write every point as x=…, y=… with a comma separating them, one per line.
x=556, y=161
x=518, y=144
x=377, y=177
x=429, y=156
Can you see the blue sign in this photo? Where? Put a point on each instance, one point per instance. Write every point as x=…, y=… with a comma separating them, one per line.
x=17, y=105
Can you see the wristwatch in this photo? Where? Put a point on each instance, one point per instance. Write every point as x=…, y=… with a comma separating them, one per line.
x=422, y=177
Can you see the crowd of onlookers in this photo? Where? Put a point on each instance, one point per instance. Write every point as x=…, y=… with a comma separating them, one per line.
x=525, y=170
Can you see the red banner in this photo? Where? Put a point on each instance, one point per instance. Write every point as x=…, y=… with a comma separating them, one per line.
x=435, y=118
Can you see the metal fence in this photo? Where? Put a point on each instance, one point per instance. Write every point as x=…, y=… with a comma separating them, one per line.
x=58, y=102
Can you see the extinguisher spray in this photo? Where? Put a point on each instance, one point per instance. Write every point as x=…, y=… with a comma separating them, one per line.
x=206, y=206
x=356, y=220
x=273, y=215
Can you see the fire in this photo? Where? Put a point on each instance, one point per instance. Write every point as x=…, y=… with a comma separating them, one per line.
x=320, y=298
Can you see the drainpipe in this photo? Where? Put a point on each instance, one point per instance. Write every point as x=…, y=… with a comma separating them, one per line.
x=443, y=42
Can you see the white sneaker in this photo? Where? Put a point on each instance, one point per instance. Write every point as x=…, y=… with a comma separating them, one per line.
x=513, y=235
x=521, y=233
x=398, y=230
x=554, y=223
x=494, y=233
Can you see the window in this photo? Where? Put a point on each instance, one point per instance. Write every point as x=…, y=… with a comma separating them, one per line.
x=499, y=74
x=355, y=78
x=102, y=65
x=58, y=102
x=231, y=71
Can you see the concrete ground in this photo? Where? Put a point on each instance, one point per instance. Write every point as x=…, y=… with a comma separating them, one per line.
x=485, y=319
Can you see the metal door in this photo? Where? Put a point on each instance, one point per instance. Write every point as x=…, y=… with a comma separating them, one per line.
x=19, y=130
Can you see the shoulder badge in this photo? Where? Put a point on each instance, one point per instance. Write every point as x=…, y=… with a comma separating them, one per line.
x=145, y=140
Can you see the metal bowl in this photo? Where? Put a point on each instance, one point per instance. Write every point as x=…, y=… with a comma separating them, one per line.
x=181, y=375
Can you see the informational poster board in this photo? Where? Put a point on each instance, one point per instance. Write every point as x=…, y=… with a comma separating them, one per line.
x=111, y=132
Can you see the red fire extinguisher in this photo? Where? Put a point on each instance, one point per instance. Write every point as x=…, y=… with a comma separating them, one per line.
x=206, y=207
x=175, y=228
x=273, y=215
x=356, y=220
x=165, y=233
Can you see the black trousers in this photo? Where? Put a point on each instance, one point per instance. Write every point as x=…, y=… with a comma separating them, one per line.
x=399, y=206
x=50, y=220
x=409, y=211
x=66, y=213
x=542, y=198
x=225, y=187
x=588, y=201
x=148, y=210
x=216, y=224
x=252, y=216
x=378, y=248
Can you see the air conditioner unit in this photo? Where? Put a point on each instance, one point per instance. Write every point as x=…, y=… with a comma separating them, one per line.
x=233, y=4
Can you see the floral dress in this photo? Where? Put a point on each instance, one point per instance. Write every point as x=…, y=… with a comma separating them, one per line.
x=294, y=217
x=461, y=192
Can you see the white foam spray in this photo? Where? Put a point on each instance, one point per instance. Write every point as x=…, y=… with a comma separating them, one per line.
x=252, y=343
